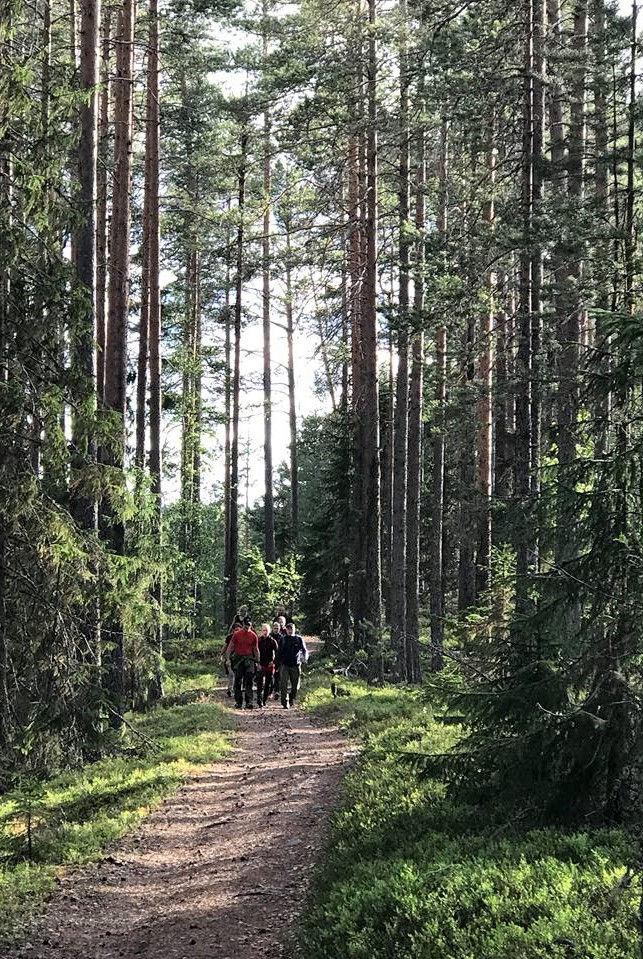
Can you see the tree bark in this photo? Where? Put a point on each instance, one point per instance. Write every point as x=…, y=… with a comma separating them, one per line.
x=143, y=329
x=101, y=207
x=233, y=546
x=414, y=484
x=368, y=615
x=570, y=300
x=84, y=505
x=484, y=417
x=269, y=509
x=401, y=415
x=601, y=265
x=387, y=413
x=292, y=404
x=629, y=225
x=439, y=436
x=228, y=405
x=152, y=134
x=116, y=342
x=527, y=445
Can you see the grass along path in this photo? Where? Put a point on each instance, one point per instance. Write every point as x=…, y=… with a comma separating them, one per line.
x=76, y=816
x=220, y=868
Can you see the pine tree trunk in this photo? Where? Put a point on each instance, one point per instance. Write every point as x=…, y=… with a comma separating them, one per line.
x=292, y=404
x=143, y=330
x=116, y=341
x=414, y=485
x=152, y=135
x=401, y=416
x=629, y=225
x=355, y=245
x=83, y=358
x=228, y=405
x=527, y=446
x=467, y=474
x=345, y=317
x=368, y=617
x=570, y=303
x=101, y=204
x=538, y=138
x=503, y=400
x=439, y=437
x=197, y=365
x=269, y=509
x=72, y=12
x=233, y=546
x=37, y=419
x=601, y=265
x=484, y=462
x=188, y=396
x=387, y=412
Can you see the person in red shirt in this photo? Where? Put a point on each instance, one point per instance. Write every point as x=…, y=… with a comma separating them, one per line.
x=243, y=650
x=225, y=654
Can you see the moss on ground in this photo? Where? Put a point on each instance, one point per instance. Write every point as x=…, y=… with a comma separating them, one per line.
x=410, y=872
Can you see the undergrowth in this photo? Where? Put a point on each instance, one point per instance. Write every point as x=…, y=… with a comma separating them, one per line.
x=72, y=818
x=410, y=872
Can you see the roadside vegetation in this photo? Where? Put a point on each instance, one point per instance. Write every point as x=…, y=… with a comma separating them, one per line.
x=411, y=870
x=73, y=818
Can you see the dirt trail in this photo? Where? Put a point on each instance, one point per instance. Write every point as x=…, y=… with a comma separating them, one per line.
x=220, y=870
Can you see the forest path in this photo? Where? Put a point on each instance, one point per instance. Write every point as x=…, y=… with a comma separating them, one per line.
x=220, y=869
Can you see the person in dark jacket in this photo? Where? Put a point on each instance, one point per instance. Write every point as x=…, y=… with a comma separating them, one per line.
x=292, y=655
x=278, y=631
x=268, y=649
x=243, y=650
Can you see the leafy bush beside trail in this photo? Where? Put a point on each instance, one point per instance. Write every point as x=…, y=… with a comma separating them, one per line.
x=411, y=873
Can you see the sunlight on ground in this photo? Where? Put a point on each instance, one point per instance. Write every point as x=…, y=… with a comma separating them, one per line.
x=75, y=816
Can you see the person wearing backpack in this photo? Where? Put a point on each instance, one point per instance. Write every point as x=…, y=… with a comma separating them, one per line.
x=292, y=655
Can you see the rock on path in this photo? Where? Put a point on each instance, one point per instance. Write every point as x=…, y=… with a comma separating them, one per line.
x=220, y=869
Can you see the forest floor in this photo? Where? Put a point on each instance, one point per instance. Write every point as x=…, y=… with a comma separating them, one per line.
x=220, y=869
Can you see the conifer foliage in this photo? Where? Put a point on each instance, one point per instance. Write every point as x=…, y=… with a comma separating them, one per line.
x=443, y=201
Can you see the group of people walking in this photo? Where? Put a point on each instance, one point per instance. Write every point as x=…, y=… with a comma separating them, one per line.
x=264, y=664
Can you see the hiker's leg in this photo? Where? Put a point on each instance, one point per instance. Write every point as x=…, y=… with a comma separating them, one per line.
x=277, y=684
x=261, y=678
x=283, y=679
x=269, y=682
x=295, y=679
x=238, y=684
x=249, y=669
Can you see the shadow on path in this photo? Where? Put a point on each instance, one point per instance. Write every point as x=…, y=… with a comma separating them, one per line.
x=220, y=869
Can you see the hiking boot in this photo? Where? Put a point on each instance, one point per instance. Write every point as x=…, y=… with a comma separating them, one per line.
x=285, y=705
x=238, y=705
x=250, y=705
